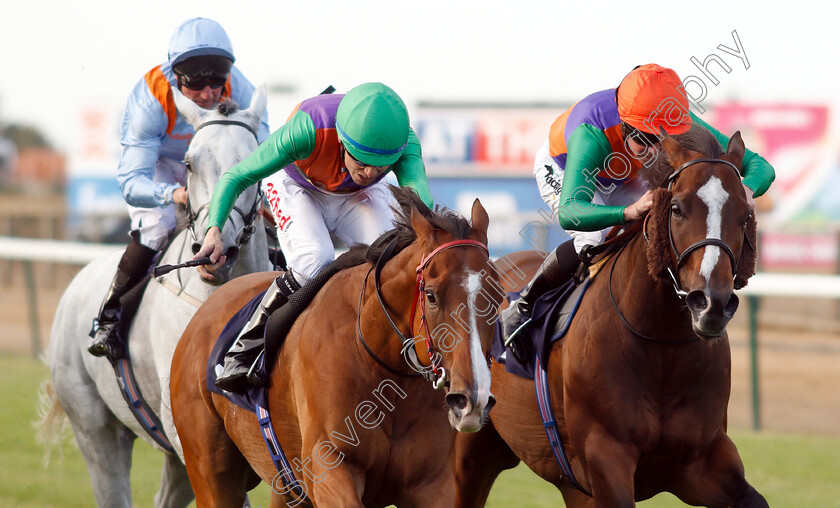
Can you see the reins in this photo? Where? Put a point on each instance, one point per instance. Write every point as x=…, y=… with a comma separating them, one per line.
x=680, y=256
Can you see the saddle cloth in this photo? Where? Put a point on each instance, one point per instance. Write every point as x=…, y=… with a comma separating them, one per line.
x=255, y=395
x=552, y=314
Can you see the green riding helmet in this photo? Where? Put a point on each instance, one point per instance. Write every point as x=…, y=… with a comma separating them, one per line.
x=372, y=123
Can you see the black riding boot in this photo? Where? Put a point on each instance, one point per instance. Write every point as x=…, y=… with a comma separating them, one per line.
x=248, y=346
x=132, y=268
x=557, y=268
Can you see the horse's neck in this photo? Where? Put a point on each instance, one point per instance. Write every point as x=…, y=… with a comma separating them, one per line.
x=661, y=313
x=397, y=282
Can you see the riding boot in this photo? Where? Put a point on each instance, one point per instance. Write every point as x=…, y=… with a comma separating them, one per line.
x=557, y=268
x=133, y=267
x=250, y=342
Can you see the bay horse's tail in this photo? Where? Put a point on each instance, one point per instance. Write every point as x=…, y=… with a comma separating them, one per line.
x=51, y=418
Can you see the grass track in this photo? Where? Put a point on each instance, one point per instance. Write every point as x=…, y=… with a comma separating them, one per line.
x=791, y=471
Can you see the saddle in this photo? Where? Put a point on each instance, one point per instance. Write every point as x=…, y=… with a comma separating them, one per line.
x=550, y=319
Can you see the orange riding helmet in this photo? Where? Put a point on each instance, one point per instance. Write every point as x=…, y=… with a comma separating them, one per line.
x=652, y=97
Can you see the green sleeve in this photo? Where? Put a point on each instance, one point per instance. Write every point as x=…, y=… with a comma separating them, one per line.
x=758, y=173
x=588, y=148
x=293, y=141
x=411, y=172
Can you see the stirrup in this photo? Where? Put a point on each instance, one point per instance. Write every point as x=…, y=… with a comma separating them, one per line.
x=110, y=347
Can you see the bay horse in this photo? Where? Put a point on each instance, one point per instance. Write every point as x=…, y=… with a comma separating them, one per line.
x=362, y=429
x=85, y=387
x=640, y=383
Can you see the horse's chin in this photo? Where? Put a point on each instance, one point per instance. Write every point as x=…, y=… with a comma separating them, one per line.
x=468, y=423
x=706, y=332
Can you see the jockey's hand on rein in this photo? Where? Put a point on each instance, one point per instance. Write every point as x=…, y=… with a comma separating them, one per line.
x=212, y=248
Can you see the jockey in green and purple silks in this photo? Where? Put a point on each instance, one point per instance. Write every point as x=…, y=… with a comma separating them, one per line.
x=588, y=169
x=323, y=173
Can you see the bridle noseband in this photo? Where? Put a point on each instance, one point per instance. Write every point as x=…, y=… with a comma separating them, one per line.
x=434, y=373
x=682, y=256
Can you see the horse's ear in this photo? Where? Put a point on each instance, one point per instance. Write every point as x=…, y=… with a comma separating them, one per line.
x=735, y=150
x=677, y=155
x=192, y=112
x=422, y=228
x=259, y=99
x=479, y=221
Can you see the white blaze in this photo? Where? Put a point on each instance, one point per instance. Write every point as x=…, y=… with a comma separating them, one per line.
x=714, y=196
x=472, y=284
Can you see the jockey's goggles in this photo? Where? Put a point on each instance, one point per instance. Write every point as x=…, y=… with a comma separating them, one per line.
x=197, y=83
x=360, y=163
x=640, y=137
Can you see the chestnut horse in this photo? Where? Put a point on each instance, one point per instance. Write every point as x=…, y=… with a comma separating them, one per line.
x=358, y=423
x=640, y=383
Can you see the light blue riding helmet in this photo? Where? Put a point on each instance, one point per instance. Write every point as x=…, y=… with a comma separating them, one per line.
x=199, y=37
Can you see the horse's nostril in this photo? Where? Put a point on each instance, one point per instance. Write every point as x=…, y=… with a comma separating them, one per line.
x=731, y=305
x=457, y=402
x=232, y=253
x=697, y=301
x=491, y=401
x=196, y=247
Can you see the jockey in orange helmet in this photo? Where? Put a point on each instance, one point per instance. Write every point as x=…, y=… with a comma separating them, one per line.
x=588, y=169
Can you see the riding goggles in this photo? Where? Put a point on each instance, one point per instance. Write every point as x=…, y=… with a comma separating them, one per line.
x=198, y=82
x=379, y=169
x=641, y=137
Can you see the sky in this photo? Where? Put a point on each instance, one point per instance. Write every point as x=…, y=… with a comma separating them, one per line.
x=60, y=57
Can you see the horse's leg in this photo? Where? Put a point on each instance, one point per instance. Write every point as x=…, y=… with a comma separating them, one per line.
x=106, y=444
x=717, y=479
x=336, y=488
x=573, y=498
x=175, y=490
x=479, y=458
x=611, y=468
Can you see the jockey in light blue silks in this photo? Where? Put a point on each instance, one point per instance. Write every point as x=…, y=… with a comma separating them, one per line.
x=155, y=137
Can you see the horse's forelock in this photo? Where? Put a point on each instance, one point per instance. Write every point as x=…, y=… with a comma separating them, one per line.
x=697, y=139
x=227, y=107
x=659, y=245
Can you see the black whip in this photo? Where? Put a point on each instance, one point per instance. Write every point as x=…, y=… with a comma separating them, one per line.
x=164, y=269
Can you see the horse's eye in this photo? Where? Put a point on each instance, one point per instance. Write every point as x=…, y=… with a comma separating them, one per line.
x=189, y=166
x=747, y=221
x=676, y=210
x=430, y=297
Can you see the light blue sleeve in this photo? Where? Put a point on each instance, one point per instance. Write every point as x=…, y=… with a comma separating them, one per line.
x=142, y=132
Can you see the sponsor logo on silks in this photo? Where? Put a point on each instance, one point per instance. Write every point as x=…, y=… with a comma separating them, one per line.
x=283, y=221
x=181, y=136
x=551, y=181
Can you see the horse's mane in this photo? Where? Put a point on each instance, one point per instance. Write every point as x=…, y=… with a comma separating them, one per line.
x=697, y=139
x=407, y=200
x=227, y=107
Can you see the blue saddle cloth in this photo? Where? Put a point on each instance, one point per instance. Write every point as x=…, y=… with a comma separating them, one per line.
x=550, y=319
x=255, y=395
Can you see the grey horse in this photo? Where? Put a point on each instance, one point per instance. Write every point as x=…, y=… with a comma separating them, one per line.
x=84, y=387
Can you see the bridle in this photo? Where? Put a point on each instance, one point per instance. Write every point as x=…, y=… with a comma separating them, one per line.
x=682, y=256
x=248, y=218
x=434, y=372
